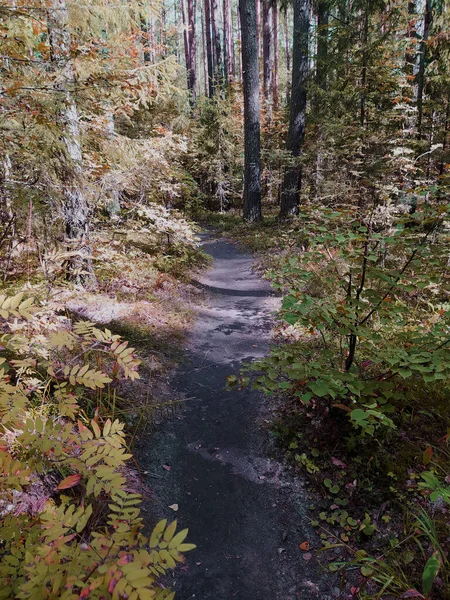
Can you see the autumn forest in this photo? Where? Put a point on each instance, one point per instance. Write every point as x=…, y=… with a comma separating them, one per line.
x=225, y=299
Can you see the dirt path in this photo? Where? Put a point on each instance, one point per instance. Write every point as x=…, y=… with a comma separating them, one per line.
x=245, y=515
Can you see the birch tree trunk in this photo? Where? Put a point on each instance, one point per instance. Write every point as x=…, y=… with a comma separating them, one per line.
x=252, y=139
x=290, y=191
x=75, y=210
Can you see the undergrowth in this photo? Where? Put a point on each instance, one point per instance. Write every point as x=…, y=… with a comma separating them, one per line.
x=360, y=370
x=71, y=524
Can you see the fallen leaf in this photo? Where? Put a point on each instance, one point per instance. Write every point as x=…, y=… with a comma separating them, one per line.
x=338, y=463
x=412, y=594
x=166, y=467
x=427, y=455
x=304, y=546
x=174, y=507
x=69, y=482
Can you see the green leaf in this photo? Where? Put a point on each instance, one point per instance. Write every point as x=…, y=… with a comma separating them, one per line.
x=430, y=572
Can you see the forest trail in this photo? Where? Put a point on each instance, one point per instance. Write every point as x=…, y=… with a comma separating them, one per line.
x=245, y=515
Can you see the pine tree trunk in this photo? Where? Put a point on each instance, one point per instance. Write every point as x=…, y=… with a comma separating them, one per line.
x=189, y=47
x=192, y=74
x=275, y=97
x=426, y=18
x=252, y=141
x=287, y=51
x=290, y=192
x=232, y=45
x=225, y=33
x=209, y=48
x=204, y=50
x=185, y=39
x=217, y=47
x=267, y=48
x=75, y=210
x=322, y=45
x=239, y=44
x=228, y=41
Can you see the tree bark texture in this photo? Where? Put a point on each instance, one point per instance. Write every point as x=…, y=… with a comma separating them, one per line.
x=287, y=51
x=275, y=97
x=75, y=209
x=252, y=141
x=290, y=191
x=217, y=46
x=190, y=47
x=228, y=41
x=209, y=48
x=267, y=48
x=423, y=33
x=322, y=44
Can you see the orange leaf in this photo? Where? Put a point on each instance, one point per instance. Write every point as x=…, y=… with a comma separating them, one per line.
x=69, y=482
x=304, y=546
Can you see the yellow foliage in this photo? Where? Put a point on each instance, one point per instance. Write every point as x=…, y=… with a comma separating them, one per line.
x=53, y=545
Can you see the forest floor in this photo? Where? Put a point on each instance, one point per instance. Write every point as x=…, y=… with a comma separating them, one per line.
x=214, y=467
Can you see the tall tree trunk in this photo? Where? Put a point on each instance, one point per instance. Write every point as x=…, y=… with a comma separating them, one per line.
x=423, y=32
x=322, y=44
x=252, y=140
x=228, y=41
x=287, y=51
x=187, y=61
x=290, y=192
x=190, y=47
x=225, y=33
x=204, y=50
x=232, y=46
x=275, y=55
x=258, y=28
x=75, y=210
x=192, y=74
x=267, y=48
x=209, y=48
x=239, y=44
x=217, y=48
x=321, y=81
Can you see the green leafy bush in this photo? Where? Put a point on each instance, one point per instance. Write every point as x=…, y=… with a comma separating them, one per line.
x=367, y=308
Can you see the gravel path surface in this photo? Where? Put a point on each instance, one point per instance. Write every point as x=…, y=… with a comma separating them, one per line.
x=246, y=515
